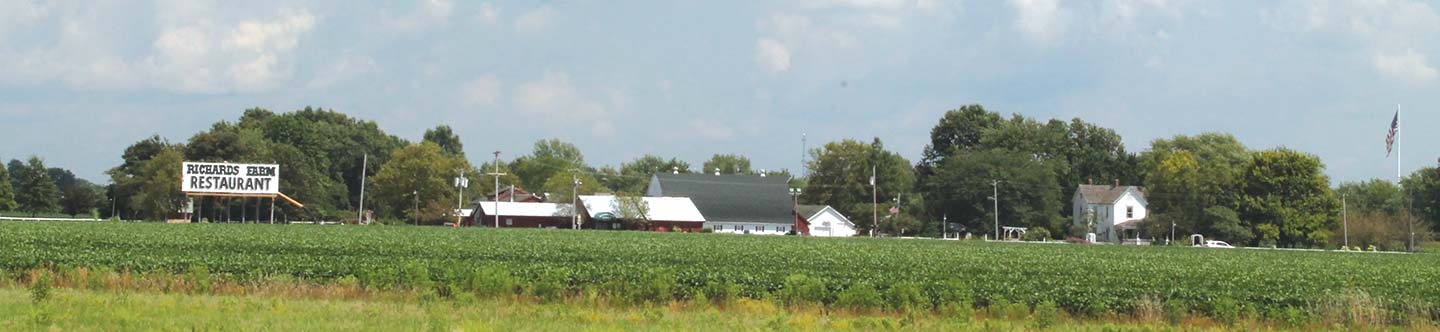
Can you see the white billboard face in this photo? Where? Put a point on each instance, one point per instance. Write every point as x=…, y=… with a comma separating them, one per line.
x=223, y=178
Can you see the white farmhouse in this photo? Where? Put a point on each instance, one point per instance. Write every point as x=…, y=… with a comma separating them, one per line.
x=823, y=220
x=1117, y=210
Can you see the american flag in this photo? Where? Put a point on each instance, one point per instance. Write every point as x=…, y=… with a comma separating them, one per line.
x=894, y=209
x=1390, y=137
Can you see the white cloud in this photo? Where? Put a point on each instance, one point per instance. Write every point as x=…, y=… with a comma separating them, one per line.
x=772, y=55
x=536, y=19
x=19, y=13
x=428, y=13
x=1043, y=21
x=482, y=91
x=554, y=98
x=488, y=13
x=1407, y=65
x=344, y=69
x=203, y=56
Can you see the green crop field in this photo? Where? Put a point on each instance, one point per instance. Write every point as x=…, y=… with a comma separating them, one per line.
x=1084, y=280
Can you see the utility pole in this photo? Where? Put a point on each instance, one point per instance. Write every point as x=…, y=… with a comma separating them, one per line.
x=874, y=203
x=497, y=175
x=416, y=194
x=995, y=198
x=1345, y=220
x=360, y=216
x=795, y=209
x=944, y=222
x=460, y=184
x=574, y=199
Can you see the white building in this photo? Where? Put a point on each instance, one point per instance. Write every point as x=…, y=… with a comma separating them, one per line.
x=739, y=204
x=824, y=220
x=664, y=213
x=1117, y=210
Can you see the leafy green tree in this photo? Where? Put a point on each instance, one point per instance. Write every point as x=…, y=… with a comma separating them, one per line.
x=1423, y=191
x=158, y=185
x=16, y=169
x=961, y=188
x=417, y=175
x=1076, y=150
x=37, y=192
x=634, y=176
x=1287, y=191
x=840, y=177
x=559, y=187
x=728, y=164
x=126, y=178
x=1185, y=175
x=448, y=141
x=960, y=129
x=547, y=158
x=7, y=192
x=1226, y=225
x=632, y=209
x=1373, y=195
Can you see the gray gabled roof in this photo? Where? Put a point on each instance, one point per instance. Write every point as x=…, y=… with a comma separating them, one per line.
x=733, y=198
x=1106, y=194
x=807, y=211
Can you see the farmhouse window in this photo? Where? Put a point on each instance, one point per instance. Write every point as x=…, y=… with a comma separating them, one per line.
x=509, y=222
x=759, y=228
x=1129, y=212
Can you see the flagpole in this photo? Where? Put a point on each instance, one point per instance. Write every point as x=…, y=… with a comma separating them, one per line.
x=1398, y=157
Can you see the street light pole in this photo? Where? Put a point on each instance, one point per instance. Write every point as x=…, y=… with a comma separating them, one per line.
x=574, y=199
x=460, y=185
x=416, y=217
x=497, y=175
x=1345, y=220
x=995, y=198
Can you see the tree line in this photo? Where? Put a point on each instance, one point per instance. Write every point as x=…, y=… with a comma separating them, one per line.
x=1209, y=184
x=978, y=163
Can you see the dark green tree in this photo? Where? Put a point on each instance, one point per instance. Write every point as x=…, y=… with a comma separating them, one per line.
x=448, y=141
x=37, y=192
x=7, y=192
x=1286, y=198
x=418, y=177
x=961, y=188
x=1186, y=175
x=728, y=164
x=16, y=169
x=1373, y=195
x=1423, y=191
x=157, y=185
x=840, y=177
x=960, y=129
x=547, y=158
x=634, y=176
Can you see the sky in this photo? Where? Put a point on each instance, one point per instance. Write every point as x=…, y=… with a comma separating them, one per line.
x=81, y=80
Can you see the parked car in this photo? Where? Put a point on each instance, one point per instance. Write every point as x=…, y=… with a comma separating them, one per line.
x=1217, y=244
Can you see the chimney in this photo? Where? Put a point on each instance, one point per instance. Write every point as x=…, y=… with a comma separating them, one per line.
x=717, y=171
x=1117, y=183
x=1090, y=181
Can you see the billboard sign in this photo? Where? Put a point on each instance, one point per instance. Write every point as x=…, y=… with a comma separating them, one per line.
x=226, y=178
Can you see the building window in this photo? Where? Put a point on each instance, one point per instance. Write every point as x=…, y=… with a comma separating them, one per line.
x=759, y=228
x=509, y=222
x=718, y=228
x=1129, y=212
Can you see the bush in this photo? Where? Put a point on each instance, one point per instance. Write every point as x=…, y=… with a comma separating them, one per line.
x=952, y=292
x=1036, y=234
x=40, y=286
x=1225, y=310
x=722, y=292
x=904, y=296
x=199, y=277
x=1047, y=313
x=549, y=286
x=859, y=296
x=1175, y=311
x=800, y=289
